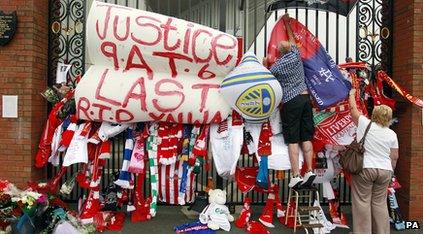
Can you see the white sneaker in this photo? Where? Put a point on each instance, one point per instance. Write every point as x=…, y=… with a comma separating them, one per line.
x=295, y=181
x=308, y=178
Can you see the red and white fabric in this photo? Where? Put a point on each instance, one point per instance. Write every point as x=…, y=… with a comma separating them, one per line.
x=237, y=120
x=222, y=129
x=142, y=206
x=82, y=176
x=163, y=148
x=96, y=168
x=266, y=217
x=78, y=151
x=138, y=157
x=67, y=135
x=341, y=106
x=169, y=135
x=176, y=140
x=200, y=147
x=244, y=216
x=105, y=150
x=264, y=147
x=91, y=207
x=336, y=129
x=255, y=227
x=169, y=181
x=95, y=138
x=44, y=148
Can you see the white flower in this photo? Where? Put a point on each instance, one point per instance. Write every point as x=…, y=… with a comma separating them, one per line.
x=35, y=195
x=66, y=190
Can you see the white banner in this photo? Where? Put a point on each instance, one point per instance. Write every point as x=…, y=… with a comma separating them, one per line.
x=148, y=66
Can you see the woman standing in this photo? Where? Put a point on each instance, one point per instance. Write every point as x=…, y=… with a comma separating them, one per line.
x=369, y=187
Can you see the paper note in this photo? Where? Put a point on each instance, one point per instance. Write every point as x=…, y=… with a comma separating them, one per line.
x=10, y=106
x=62, y=72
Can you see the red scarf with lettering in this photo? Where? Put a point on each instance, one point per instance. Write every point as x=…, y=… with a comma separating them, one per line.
x=381, y=75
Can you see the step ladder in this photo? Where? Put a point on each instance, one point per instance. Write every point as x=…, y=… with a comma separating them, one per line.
x=302, y=213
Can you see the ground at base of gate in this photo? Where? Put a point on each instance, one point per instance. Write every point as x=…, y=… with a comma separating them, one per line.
x=170, y=216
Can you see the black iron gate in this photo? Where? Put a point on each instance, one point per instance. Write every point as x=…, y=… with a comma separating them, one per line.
x=364, y=35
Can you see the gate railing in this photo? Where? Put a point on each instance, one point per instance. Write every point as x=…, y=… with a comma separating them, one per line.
x=245, y=18
x=234, y=196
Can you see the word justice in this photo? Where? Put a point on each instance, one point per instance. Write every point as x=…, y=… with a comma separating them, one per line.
x=166, y=39
x=106, y=107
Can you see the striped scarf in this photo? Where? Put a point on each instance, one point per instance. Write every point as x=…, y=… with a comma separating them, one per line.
x=125, y=176
x=171, y=182
x=152, y=160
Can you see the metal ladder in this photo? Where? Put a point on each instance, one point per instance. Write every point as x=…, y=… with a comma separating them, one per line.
x=302, y=213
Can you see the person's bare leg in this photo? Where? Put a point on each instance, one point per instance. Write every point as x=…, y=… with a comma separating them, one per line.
x=293, y=151
x=307, y=148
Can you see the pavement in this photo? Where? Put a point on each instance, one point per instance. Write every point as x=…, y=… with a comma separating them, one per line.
x=170, y=216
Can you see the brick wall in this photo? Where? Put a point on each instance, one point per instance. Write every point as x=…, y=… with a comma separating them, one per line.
x=23, y=72
x=408, y=72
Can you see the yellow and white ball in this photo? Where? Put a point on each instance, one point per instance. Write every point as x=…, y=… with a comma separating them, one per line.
x=251, y=89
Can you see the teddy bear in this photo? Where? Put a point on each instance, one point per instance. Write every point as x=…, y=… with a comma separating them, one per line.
x=216, y=215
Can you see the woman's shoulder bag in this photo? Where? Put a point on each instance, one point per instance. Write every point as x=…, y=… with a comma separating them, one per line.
x=351, y=158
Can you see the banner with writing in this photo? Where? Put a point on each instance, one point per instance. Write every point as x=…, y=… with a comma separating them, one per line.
x=151, y=67
x=335, y=128
x=324, y=80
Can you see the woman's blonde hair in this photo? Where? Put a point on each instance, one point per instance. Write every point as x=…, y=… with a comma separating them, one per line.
x=382, y=115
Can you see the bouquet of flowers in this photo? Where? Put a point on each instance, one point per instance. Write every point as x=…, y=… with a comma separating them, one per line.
x=15, y=203
x=29, y=201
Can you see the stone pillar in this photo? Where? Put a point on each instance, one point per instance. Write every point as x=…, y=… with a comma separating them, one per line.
x=23, y=72
x=408, y=72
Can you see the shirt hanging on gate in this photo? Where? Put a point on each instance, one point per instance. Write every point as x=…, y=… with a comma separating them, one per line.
x=226, y=149
x=77, y=151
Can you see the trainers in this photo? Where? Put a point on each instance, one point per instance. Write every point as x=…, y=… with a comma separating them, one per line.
x=295, y=181
x=308, y=178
